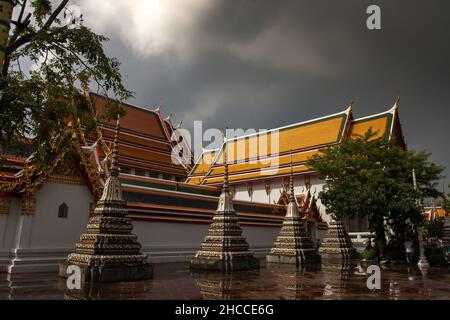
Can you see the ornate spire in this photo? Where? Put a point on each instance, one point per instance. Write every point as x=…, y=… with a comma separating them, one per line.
x=108, y=251
x=113, y=190
x=226, y=199
x=293, y=244
x=226, y=186
x=224, y=247
x=291, y=183
x=292, y=209
x=115, y=151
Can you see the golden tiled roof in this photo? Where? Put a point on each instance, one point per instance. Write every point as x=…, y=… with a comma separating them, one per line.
x=145, y=139
x=304, y=139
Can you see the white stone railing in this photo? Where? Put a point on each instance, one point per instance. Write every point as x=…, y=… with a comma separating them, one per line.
x=361, y=237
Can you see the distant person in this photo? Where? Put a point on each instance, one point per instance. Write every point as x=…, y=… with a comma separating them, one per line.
x=409, y=251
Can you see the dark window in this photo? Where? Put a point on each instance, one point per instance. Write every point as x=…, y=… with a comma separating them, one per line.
x=167, y=177
x=125, y=170
x=154, y=175
x=139, y=173
x=63, y=211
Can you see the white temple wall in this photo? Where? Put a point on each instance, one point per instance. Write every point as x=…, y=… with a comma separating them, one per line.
x=48, y=228
x=275, y=187
x=8, y=226
x=170, y=242
x=259, y=194
x=43, y=239
x=38, y=242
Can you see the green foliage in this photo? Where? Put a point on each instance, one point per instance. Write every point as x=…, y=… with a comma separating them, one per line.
x=41, y=8
x=446, y=201
x=436, y=256
x=67, y=61
x=371, y=178
x=369, y=253
x=435, y=228
x=392, y=252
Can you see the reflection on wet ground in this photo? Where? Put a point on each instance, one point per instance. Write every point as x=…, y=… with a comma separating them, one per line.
x=176, y=281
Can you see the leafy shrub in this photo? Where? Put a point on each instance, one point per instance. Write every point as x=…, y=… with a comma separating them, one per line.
x=369, y=254
x=393, y=253
x=435, y=228
x=436, y=256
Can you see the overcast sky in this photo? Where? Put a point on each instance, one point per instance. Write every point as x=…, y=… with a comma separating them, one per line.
x=264, y=64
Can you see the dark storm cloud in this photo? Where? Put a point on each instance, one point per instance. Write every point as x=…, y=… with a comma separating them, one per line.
x=263, y=64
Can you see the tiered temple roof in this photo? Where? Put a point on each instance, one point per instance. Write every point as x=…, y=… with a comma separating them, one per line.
x=305, y=139
x=145, y=137
x=149, y=199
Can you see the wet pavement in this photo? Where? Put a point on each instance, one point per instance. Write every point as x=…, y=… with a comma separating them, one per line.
x=175, y=281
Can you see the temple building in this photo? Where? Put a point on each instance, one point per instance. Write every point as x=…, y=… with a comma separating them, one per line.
x=261, y=174
x=44, y=210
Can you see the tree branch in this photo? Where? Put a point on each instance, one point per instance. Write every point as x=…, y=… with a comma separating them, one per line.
x=16, y=42
x=22, y=10
x=55, y=14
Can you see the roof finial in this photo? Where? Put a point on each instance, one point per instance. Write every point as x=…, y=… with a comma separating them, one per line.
x=397, y=102
x=169, y=116
x=350, y=106
x=115, y=151
x=226, y=186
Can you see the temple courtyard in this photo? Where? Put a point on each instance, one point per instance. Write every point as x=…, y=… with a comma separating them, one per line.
x=176, y=281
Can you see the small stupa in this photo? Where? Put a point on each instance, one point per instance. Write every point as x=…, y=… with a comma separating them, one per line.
x=108, y=251
x=446, y=236
x=293, y=245
x=337, y=245
x=224, y=248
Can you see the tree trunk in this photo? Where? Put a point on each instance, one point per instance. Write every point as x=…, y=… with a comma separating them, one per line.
x=380, y=236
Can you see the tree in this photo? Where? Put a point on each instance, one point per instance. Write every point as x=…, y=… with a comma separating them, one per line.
x=370, y=178
x=64, y=61
x=446, y=201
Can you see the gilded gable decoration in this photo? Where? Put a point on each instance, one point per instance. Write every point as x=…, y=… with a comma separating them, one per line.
x=267, y=187
x=29, y=206
x=5, y=203
x=233, y=191
x=250, y=189
x=285, y=184
x=307, y=182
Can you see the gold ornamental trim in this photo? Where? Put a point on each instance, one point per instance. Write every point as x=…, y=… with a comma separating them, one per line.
x=5, y=203
x=29, y=206
x=66, y=179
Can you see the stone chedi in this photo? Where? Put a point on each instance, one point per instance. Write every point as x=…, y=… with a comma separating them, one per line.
x=224, y=248
x=446, y=236
x=293, y=244
x=108, y=251
x=337, y=245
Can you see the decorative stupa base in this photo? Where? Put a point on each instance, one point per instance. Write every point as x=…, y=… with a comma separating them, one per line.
x=337, y=246
x=305, y=257
x=244, y=263
x=114, y=273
